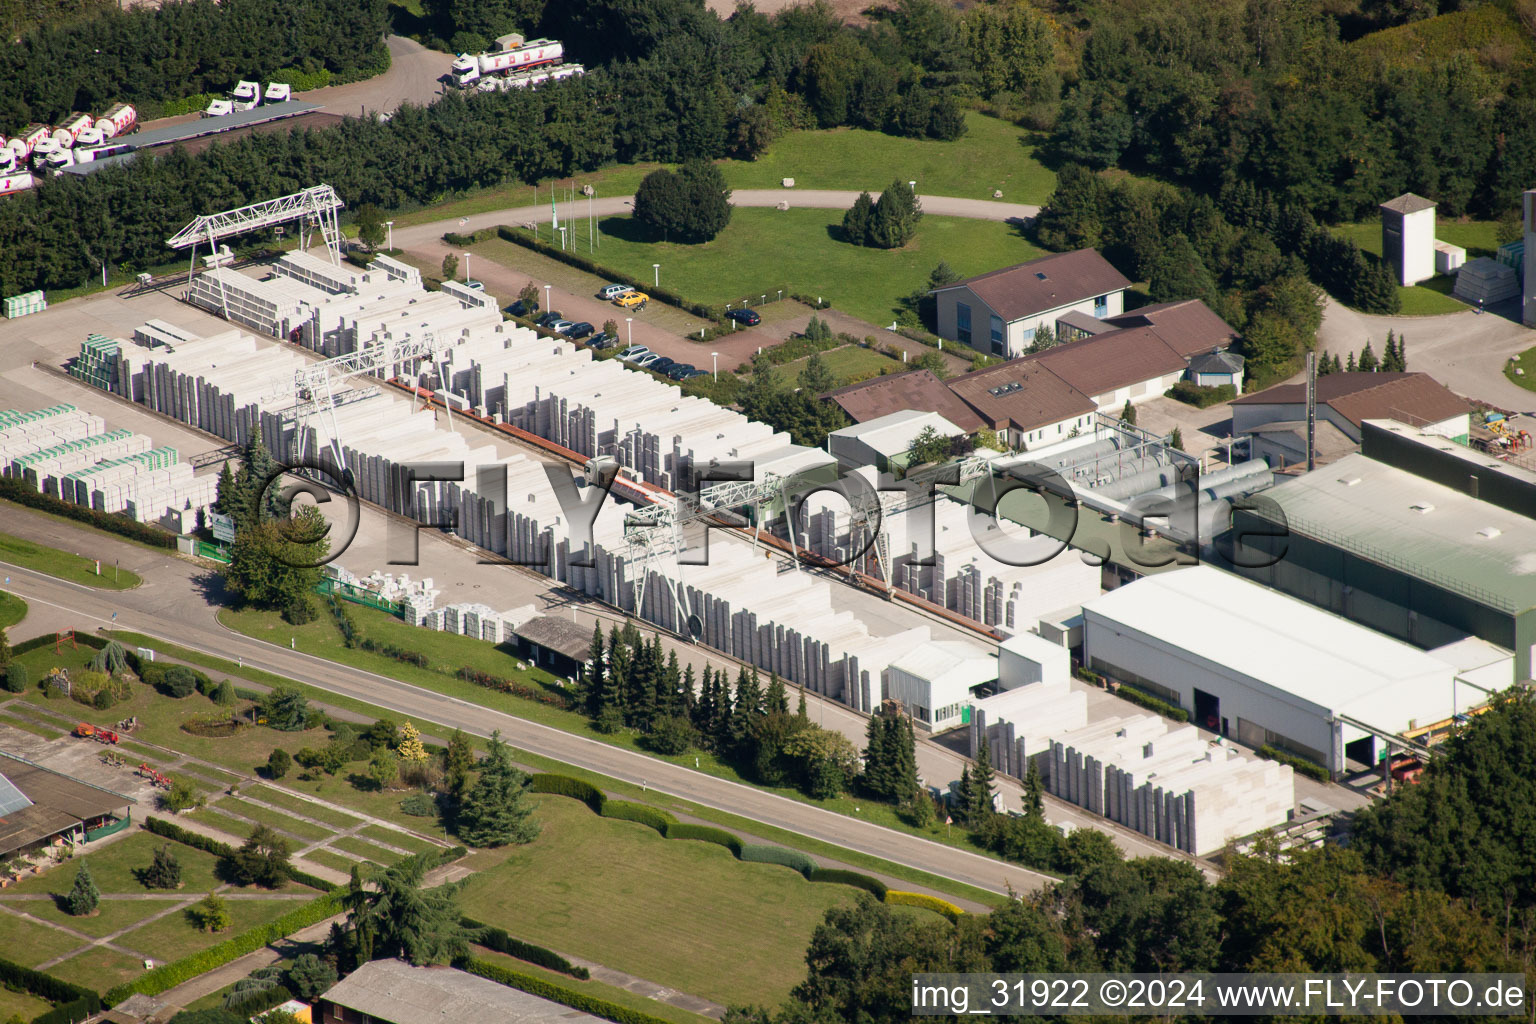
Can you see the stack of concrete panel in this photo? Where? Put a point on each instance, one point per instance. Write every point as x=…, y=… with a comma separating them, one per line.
x=274, y=306
x=22, y=433
x=43, y=467
x=97, y=362
x=1001, y=574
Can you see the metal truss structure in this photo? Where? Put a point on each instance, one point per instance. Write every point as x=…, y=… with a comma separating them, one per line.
x=314, y=209
x=655, y=532
x=314, y=392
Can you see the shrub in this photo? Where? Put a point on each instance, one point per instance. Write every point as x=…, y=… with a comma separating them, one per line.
x=1152, y=703
x=896, y=897
x=705, y=833
x=781, y=855
x=495, y=938
x=515, y=688
x=300, y=612
x=565, y=785
x=16, y=680
x=103, y=700
x=645, y=815
x=670, y=735
x=182, y=796
x=418, y=805
x=164, y=872
x=278, y=763
x=1201, y=397
x=1310, y=769
x=211, y=914
x=178, y=681
x=309, y=976
x=843, y=876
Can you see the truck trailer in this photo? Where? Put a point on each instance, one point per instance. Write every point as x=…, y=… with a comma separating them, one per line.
x=119, y=120
x=470, y=68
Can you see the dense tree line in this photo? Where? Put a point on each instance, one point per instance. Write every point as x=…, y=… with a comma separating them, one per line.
x=796, y=409
x=1247, y=260
x=1439, y=877
x=1277, y=94
x=166, y=51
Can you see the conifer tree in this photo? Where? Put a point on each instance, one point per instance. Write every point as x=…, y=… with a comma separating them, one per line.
x=592, y=676
x=800, y=708
x=1402, y=354
x=902, y=746
x=876, y=761
x=164, y=872
x=496, y=810
x=1128, y=414
x=965, y=796
x=460, y=762
x=981, y=784
x=1368, y=362
x=1034, y=791
x=83, y=898
x=776, y=700
x=1389, y=354
x=1349, y=367
x=688, y=697
x=1324, y=365
x=704, y=707
x=411, y=750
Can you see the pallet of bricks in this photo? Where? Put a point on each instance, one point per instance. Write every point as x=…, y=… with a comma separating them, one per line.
x=24, y=304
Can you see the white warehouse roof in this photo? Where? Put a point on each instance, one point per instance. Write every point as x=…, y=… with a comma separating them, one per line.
x=893, y=433
x=1291, y=646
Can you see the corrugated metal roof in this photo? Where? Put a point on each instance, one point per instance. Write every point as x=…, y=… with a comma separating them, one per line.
x=201, y=128
x=1291, y=646
x=11, y=798
x=1420, y=528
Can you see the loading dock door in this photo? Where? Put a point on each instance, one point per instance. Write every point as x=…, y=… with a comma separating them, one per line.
x=1207, y=710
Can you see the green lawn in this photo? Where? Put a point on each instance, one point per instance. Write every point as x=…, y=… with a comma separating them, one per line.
x=30, y=944
x=395, y=837
x=99, y=968
x=275, y=819
x=688, y=915
x=1527, y=361
x=387, y=805
x=993, y=154
x=32, y=727
x=21, y=1005
x=370, y=851
x=113, y=868
x=237, y=828
x=12, y=610
x=848, y=364
x=173, y=936
x=1432, y=297
x=763, y=250
x=63, y=564
x=334, y=861
x=319, y=812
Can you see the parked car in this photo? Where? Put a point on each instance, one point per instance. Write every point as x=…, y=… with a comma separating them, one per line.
x=612, y=291
x=744, y=316
x=646, y=361
x=634, y=352
x=580, y=330
x=474, y=286
x=661, y=365
x=601, y=341
x=677, y=370
x=632, y=300
x=548, y=318
x=521, y=308
x=690, y=374
x=561, y=326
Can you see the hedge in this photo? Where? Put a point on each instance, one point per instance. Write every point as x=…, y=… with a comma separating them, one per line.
x=896, y=897
x=705, y=833
x=868, y=883
x=671, y=298
x=1310, y=769
x=73, y=1003
x=496, y=938
x=168, y=976
x=565, y=785
x=556, y=993
x=18, y=490
x=196, y=840
x=95, y=643
x=1152, y=703
x=1201, y=397
x=781, y=855
x=642, y=813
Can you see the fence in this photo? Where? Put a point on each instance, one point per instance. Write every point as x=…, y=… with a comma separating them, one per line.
x=358, y=595
x=93, y=834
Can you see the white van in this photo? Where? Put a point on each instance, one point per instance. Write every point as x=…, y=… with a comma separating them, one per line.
x=609, y=292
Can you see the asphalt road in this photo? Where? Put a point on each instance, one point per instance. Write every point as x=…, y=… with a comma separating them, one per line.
x=172, y=605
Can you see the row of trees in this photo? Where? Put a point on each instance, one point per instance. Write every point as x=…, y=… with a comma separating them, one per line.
x=1393, y=360
x=1244, y=256
x=166, y=51
x=798, y=409
x=1439, y=877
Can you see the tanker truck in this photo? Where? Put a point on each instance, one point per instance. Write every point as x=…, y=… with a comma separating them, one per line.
x=68, y=132
x=120, y=120
x=470, y=68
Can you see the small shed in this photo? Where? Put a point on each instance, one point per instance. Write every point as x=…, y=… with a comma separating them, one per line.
x=1216, y=368
x=558, y=645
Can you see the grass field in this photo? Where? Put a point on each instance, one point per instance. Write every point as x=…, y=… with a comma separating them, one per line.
x=29, y=943
x=12, y=610
x=596, y=989
x=334, y=861
x=763, y=250
x=63, y=564
x=847, y=364
x=99, y=968
x=335, y=818
x=21, y=1006
x=992, y=155
x=683, y=914
x=174, y=936
x=1432, y=297
x=1527, y=361
x=396, y=838
x=366, y=850
x=275, y=819
x=387, y=805
x=46, y=733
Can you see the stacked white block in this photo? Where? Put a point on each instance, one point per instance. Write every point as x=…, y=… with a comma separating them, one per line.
x=1003, y=576
x=22, y=433
x=42, y=467
x=273, y=306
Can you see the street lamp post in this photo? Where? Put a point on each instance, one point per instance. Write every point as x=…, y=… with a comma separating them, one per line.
x=716, y=357
x=629, y=324
x=656, y=269
x=466, y=266
x=390, y=225
x=546, y=298
x=913, y=186
x=562, y=236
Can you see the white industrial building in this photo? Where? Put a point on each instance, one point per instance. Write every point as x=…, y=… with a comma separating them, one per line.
x=1265, y=668
x=883, y=442
x=1408, y=237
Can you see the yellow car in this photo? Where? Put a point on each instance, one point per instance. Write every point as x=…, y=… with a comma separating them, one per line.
x=632, y=300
